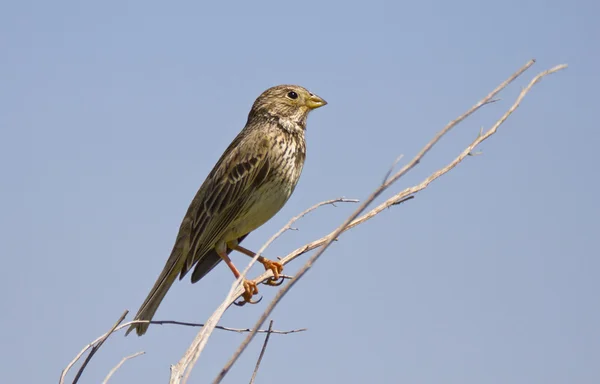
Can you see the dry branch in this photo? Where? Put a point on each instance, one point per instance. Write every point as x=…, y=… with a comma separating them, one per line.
x=353, y=220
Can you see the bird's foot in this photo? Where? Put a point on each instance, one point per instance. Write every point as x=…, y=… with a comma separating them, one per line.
x=250, y=289
x=275, y=267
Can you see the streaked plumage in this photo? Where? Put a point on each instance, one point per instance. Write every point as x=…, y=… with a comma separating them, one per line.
x=250, y=183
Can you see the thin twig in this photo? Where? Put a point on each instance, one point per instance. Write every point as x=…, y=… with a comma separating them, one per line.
x=183, y=367
x=353, y=221
x=238, y=330
x=262, y=352
x=389, y=172
x=95, y=347
x=123, y=360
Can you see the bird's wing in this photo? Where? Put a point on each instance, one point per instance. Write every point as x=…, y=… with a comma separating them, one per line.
x=222, y=197
x=216, y=204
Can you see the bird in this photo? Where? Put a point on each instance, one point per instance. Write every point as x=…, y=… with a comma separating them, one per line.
x=249, y=184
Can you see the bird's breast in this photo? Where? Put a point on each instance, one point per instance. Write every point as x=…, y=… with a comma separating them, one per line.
x=286, y=160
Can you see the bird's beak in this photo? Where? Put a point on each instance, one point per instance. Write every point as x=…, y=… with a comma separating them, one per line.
x=315, y=102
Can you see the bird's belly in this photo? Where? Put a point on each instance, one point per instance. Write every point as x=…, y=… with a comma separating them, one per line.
x=261, y=207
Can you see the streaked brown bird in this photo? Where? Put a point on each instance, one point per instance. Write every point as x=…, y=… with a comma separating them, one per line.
x=250, y=183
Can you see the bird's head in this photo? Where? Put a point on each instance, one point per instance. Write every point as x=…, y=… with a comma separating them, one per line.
x=288, y=102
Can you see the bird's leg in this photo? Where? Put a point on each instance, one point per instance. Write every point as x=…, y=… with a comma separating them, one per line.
x=250, y=288
x=275, y=266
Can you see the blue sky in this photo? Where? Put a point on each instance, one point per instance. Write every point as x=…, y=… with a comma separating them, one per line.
x=112, y=113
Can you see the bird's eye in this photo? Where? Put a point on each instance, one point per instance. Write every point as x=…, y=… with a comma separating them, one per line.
x=292, y=95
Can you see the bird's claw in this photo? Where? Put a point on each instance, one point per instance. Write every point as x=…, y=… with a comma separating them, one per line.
x=250, y=289
x=273, y=282
x=241, y=303
x=276, y=267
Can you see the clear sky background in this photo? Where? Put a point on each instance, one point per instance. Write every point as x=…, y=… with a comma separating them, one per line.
x=112, y=113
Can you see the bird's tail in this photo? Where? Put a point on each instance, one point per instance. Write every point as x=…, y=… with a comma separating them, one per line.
x=157, y=294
